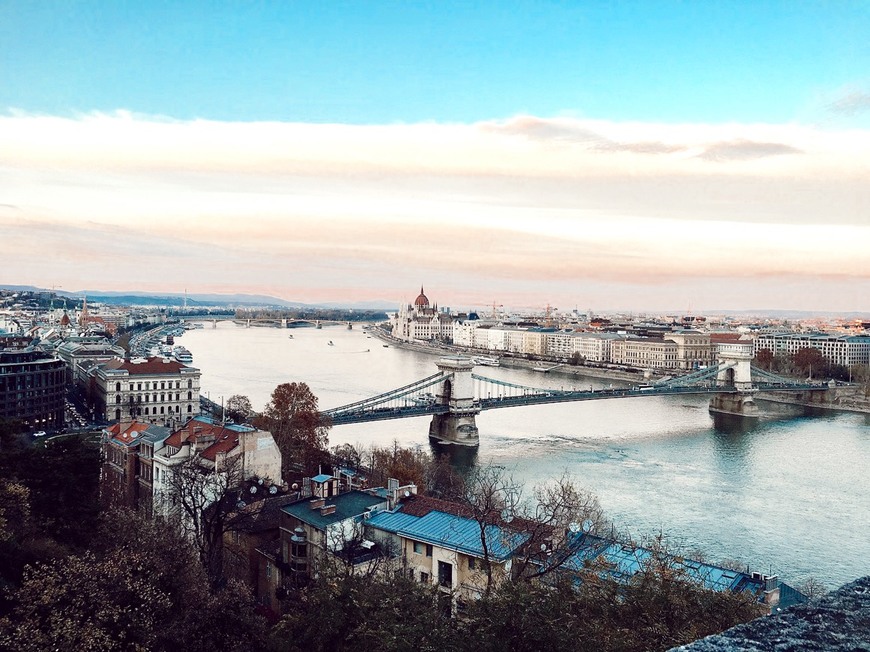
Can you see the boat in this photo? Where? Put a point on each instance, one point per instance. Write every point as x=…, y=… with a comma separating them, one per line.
x=291, y=337
x=386, y=346
x=182, y=355
x=330, y=343
x=486, y=360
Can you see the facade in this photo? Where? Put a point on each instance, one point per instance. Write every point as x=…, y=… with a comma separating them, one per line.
x=422, y=321
x=218, y=446
x=645, y=353
x=694, y=349
x=126, y=474
x=32, y=386
x=155, y=390
x=76, y=350
x=843, y=350
x=594, y=347
x=436, y=542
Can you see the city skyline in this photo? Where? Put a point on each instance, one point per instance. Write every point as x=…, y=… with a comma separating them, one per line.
x=648, y=156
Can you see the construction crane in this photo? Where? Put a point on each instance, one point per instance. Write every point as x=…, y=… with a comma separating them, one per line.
x=495, y=307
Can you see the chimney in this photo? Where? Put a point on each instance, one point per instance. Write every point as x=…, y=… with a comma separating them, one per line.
x=326, y=510
x=317, y=503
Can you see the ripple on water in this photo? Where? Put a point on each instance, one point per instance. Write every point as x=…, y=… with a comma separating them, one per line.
x=784, y=492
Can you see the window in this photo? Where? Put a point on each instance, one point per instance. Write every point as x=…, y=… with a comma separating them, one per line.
x=445, y=574
x=190, y=396
x=163, y=385
x=268, y=570
x=428, y=550
x=411, y=574
x=117, y=387
x=146, y=411
x=472, y=563
x=189, y=409
x=424, y=578
x=418, y=547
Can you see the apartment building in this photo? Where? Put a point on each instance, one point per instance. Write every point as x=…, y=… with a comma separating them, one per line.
x=645, y=353
x=843, y=350
x=155, y=390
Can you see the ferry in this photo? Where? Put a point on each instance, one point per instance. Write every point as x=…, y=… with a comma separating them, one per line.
x=486, y=360
x=182, y=355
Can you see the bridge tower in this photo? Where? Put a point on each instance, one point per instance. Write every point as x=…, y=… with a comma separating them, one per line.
x=458, y=426
x=735, y=360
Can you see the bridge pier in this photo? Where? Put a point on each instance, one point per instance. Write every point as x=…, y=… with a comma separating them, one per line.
x=458, y=425
x=735, y=370
x=741, y=404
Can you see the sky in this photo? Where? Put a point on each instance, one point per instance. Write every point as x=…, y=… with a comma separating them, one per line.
x=645, y=156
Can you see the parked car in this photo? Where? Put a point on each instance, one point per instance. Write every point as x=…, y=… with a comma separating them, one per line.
x=40, y=433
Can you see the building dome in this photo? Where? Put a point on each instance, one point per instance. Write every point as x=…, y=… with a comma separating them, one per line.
x=422, y=301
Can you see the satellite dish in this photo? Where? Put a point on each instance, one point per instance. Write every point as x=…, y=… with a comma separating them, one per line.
x=543, y=547
x=574, y=527
x=273, y=490
x=260, y=481
x=295, y=486
x=506, y=515
x=407, y=494
x=253, y=489
x=241, y=504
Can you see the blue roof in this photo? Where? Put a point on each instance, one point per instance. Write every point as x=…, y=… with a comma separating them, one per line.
x=323, y=477
x=626, y=559
x=393, y=522
x=453, y=532
x=347, y=505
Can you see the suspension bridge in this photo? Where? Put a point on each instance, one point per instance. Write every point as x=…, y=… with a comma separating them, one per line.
x=455, y=395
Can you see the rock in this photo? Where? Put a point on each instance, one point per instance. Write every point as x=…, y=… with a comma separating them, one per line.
x=838, y=621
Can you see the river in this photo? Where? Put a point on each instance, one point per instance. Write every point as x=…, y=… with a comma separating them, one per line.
x=787, y=493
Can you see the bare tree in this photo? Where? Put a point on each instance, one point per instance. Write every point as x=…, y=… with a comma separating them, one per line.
x=203, y=502
x=541, y=531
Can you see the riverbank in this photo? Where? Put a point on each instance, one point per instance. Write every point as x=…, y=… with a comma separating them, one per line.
x=513, y=361
x=844, y=399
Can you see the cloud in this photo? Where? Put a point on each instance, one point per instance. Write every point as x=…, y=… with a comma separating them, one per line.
x=851, y=103
x=744, y=150
x=288, y=207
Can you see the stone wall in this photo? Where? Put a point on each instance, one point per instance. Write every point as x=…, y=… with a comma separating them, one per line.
x=837, y=622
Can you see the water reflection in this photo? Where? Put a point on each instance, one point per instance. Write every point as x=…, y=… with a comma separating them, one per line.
x=733, y=424
x=462, y=458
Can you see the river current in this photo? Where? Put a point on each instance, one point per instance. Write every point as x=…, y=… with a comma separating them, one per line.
x=787, y=493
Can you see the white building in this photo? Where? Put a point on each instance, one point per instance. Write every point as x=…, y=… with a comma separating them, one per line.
x=838, y=349
x=421, y=321
x=218, y=447
x=155, y=390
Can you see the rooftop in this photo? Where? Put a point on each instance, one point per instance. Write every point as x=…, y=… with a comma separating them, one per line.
x=347, y=505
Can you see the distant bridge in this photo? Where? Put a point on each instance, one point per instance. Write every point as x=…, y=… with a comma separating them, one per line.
x=455, y=395
x=277, y=322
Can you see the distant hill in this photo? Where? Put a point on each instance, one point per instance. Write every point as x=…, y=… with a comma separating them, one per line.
x=199, y=300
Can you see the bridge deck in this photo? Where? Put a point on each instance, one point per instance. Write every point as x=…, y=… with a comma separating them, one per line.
x=372, y=413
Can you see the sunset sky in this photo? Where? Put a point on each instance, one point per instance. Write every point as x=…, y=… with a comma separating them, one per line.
x=646, y=156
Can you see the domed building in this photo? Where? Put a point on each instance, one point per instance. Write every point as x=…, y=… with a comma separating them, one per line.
x=422, y=321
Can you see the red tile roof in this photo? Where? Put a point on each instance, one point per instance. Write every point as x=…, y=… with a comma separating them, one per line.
x=150, y=367
x=723, y=338
x=224, y=440
x=128, y=434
